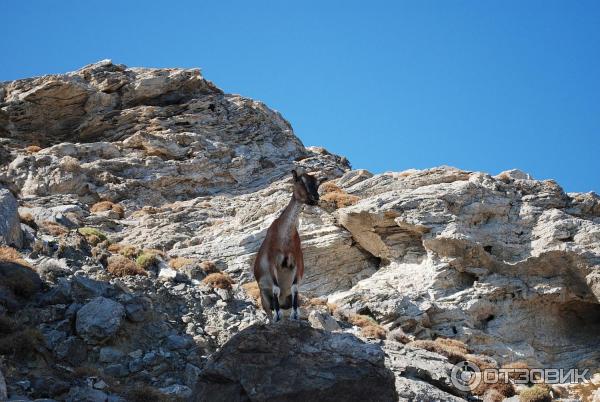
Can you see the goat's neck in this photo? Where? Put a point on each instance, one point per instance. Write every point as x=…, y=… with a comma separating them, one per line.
x=289, y=219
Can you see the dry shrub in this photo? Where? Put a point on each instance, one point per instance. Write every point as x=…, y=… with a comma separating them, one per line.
x=219, y=280
x=126, y=250
x=315, y=302
x=453, y=343
x=104, y=206
x=504, y=177
x=340, y=200
x=70, y=164
x=329, y=187
x=360, y=320
x=156, y=252
x=369, y=328
x=9, y=254
x=33, y=149
x=122, y=266
x=454, y=355
x=27, y=219
x=252, y=290
x=147, y=210
x=501, y=387
x=373, y=331
x=537, y=393
x=209, y=267
x=335, y=196
x=53, y=228
x=178, y=262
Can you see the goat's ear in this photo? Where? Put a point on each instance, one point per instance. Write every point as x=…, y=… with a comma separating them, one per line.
x=322, y=180
x=295, y=174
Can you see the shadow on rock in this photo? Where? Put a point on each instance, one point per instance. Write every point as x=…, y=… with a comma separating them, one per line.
x=291, y=361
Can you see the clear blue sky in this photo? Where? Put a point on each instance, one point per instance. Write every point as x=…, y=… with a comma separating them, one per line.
x=481, y=85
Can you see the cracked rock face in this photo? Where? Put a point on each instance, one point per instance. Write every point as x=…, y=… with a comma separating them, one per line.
x=149, y=136
x=508, y=264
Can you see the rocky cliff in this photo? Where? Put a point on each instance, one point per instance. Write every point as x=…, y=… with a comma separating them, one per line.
x=135, y=199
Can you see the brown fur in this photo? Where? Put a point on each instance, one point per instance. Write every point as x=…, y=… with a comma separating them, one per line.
x=279, y=260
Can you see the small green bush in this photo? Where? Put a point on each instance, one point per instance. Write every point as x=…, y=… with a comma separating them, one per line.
x=88, y=232
x=146, y=260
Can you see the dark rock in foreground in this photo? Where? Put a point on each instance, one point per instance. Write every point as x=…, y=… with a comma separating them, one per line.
x=290, y=361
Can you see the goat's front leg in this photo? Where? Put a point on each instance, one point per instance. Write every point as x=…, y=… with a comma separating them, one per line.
x=275, y=301
x=295, y=310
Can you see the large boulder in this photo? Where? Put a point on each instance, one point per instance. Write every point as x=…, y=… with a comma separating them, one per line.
x=10, y=226
x=17, y=283
x=99, y=319
x=293, y=362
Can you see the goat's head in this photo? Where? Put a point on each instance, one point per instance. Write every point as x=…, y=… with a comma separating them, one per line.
x=305, y=187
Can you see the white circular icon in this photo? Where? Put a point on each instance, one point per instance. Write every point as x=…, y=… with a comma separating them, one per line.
x=464, y=376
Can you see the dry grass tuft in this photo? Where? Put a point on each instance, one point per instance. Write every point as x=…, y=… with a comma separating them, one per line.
x=147, y=210
x=252, y=290
x=53, y=228
x=104, y=206
x=33, y=149
x=501, y=387
x=156, y=252
x=340, y=200
x=70, y=164
x=209, y=267
x=27, y=219
x=537, y=393
x=329, y=187
x=498, y=392
x=454, y=354
x=9, y=254
x=360, y=320
x=453, y=343
x=126, y=250
x=336, y=197
x=179, y=262
x=373, y=331
x=316, y=302
x=369, y=328
x=122, y=266
x=219, y=280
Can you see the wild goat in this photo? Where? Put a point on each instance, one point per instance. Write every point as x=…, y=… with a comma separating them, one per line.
x=279, y=265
